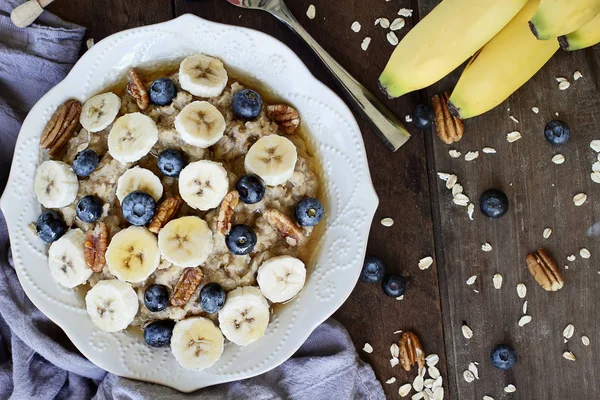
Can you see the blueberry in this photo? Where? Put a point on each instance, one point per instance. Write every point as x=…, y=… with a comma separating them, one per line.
x=85, y=162
x=247, y=104
x=503, y=356
x=162, y=91
x=50, y=226
x=138, y=208
x=373, y=270
x=309, y=212
x=89, y=209
x=423, y=116
x=241, y=240
x=493, y=203
x=251, y=189
x=156, y=297
x=393, y=285
x=557, y=132
x=171, y=162
x=158, y=333
x=212, y=297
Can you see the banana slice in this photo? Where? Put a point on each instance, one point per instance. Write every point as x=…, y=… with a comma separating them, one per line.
x=100, y=111
x=137, y=178
x=281, y=278
x=245, y=315
x=66, y=259
x=273, y=158
x=202, y=76
x=133, y=254
x=131, y=137
x=186, y=242
x=203, y=184
x=196, y=343
x=200, y=124
x=55, y=184
x=111, y=305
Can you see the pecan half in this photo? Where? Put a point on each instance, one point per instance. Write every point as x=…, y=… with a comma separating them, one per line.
x=284, y=226
x=545, y=270
x=286, y=117
x=96, y=242
x=61, y=126
x=137, y=90
x=228, y=205
x=186, y=287
x=449, y=128
x=411, y=351
x=165, y=212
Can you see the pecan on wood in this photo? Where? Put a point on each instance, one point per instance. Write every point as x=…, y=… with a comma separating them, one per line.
x=186, y=287
x=228, y=205
x=137, y=90
x=61, y=126
x=286, y=117
x=96, y=242
x=449, y=128
x=284, y=226
x=411, y=351
x=545, y=270
x=165, y=212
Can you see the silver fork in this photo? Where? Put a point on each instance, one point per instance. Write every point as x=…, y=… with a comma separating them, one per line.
x=389, y=128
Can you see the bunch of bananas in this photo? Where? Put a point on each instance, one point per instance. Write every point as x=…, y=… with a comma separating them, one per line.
x=511, y=40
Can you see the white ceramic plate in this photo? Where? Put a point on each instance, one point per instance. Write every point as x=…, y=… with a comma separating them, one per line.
x=335, y=135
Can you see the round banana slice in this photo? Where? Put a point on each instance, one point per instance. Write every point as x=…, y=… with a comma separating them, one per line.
x=200, y=124
x=273, y=158
x=133, y=254
x=131, y=137
x=100, y=111
x=203, y=184
x=186, y=241
x=245, y=315
x=196, y=343
x=111, y=305
x=55, y=184
x=137, y=178
x=281, y=278
x=66, y=259
x=202, y=76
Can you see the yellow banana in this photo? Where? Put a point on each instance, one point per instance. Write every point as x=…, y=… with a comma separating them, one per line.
x=586, y=36
x=554, y=18
x=451, y=33
x=502, y=66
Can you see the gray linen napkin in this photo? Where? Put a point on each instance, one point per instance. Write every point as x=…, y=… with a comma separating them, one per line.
x=37, y=361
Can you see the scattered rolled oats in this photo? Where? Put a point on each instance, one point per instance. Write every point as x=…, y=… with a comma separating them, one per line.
x=488, y=398
x=568, y=331
x=585, y=340
x=89, y=43
x=454, y=153
x=513, y=136
x=405, y=390
x=579, y=199
x=471, y=155
x=384, y=22
x=438, y=393
x=461, y=200
x=408, y=118
x=521, y=290
x=395, y=350
x=510, y=389
x=489, y=150
x=596, y=165
x=443, y=176
x=398, y=331
x=595, y=176
x=425, y=263
x=585, y=253
x=474, y=370
x=470, y=210
x=451, y=181
x=471, y=280
x=397, y=24
x=365, y=43
x=394, y=361
x=560, y=79
x=400, y=297
x=558, y=159
x=467, y=332
x=390, y=381
x=456, y=189
x=564, y=85
x=405, y=12
x=486, y=247
x=569, y=355
x=497, y=280
x=433, y=372
x=418, y=396
x=311, y=12
x=547, y=233
x=516, y=121
x=535, y=109
x=432, y=360
x=468, y=375
x=367, y=348
x=525, y=307
x=571, y=257
x=387, y=222
x=418, y=383
x=595, y=145
x=524, y=320
x=355, y=26
x=577, y=75
x=392, y=38
x=377, y=21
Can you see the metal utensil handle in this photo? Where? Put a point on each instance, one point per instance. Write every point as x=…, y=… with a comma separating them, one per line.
x=391, y=130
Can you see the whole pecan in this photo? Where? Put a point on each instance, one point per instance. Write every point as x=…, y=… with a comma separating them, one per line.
x=228, y=205
x=545, y=270
x=186, y=287
x=411, y=351
x=286, y=117
x=449, y=128
x=61, y=126
x=96, y=242
x=165, y=212
x=137, y=89
x=284, y=226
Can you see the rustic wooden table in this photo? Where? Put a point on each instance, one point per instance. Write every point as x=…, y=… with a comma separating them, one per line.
x=439, y=301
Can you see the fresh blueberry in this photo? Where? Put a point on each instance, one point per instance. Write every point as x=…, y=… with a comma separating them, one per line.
x=251, y=189
x=158, y=333
x=247, y=104
x=309, y=212
x=50, y=226
x=423, y=116
x=493, y=203
x=85, y=162
x=557, y=132
x=503, y=356
x=171, y=162
x=138, y=208
x=212, y=297
x=156, y=297
x=162, y=91
x=373, y=270
x=393, y=285
x=241, y=240
x=89, y=209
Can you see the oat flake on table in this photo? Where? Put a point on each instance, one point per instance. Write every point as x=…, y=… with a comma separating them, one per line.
x=568, y=331
x=311, y=12
x=521, y=290
x=468, y=375
x=564, y=85
x=390, y=381
x=535, y=110
x=367, y=348
x=355, y=26
x=405, y=12
x=365, y=43
x=474, y=370
x=394, y=361
x=579, y=199
x=489, y=150
x=432, y=360
x=596, y=165
x=497, y=280
x=461, y=200
x=595, y=176
x=418, y=383
x=456, y=189
x=470, y=210
x=571, y=257
x=395, y=350
x=384, y=23
x=547, y=232
x=392, y=38
x=486, y=247
x=488, y=398
x=467, y=332
x=408, y=118
x=451, y=181
x=585, y=253
x=525, y=307
x=387, y=222
x=418, y=396
x=405, y=389
x=471, y=155
x=443, y=176
x=595, y=145
x=558, y=159
x=510, y=388
x=513, y=136
x=454, y=153
x=577, y=75
x=585, y=340
x=433, y=372
x=524, y=320
x=569, y=355
x=397, y=24
x=471, y=280
x=425, y=262
x=513, y=119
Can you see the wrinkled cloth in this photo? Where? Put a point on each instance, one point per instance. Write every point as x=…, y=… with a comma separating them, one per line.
x=37, y=361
